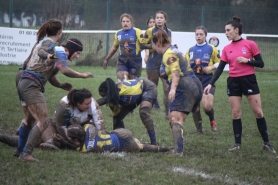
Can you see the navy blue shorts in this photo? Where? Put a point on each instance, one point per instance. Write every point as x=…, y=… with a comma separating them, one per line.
x=133, y=65
x=188, y=95
x=205, y=79
x=154, y=62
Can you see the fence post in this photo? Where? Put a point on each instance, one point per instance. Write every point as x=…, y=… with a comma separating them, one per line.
x=203, y=16
x=11, y=13
x=108, y=26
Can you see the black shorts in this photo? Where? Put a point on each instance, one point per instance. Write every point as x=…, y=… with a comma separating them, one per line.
x=247, y=85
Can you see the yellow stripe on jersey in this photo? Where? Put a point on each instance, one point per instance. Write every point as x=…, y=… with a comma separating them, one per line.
x=131, y=87
x=84, y=147
x=215, y=58
x=115, y=109
x=149, y=33
x=116, y=42
x=138, y=39
x=171, y=62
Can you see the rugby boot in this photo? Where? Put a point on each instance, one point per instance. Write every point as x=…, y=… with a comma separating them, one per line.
x=27, y=157
x=269, y=147
x=199, y=128
x=235, y=147
x=213, y=126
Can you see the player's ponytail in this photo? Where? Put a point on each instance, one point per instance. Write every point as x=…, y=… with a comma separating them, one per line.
x=161, y=38
x=236, y=23
x=49, y=28
x=78, y=96
x=111, y=90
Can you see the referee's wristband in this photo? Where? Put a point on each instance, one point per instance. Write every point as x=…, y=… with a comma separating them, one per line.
x=250, y=62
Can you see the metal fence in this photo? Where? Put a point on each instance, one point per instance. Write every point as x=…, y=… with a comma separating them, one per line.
x=101, y=15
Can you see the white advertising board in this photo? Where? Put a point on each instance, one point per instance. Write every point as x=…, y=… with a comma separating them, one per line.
x=16, y=44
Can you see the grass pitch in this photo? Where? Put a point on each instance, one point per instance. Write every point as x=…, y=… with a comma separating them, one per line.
x=207, y=160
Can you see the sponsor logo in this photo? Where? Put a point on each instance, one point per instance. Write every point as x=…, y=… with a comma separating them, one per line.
x=171, y=60
x=206, y=56
x=243, y=50
x=228, y=91
x=214, y=41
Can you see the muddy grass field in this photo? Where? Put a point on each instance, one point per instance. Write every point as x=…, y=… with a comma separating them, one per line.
x=207, y=160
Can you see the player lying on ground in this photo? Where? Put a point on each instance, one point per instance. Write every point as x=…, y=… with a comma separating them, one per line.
x=78, y=107
x=90, y=139
x=73, y=138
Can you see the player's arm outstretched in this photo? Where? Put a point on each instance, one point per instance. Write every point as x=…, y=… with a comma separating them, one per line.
x=74, y=74
x=56, y=83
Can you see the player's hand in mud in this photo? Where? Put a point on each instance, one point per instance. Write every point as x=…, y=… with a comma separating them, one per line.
x=58, y=137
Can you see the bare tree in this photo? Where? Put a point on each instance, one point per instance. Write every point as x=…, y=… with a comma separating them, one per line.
x=63, y=10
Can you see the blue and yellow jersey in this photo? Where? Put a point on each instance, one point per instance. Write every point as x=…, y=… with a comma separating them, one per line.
x=174, y=60
x=202, y=56
x=150, y=32
x=130, y=91
x=129, y=42
x=101, y=142
x=116, y=109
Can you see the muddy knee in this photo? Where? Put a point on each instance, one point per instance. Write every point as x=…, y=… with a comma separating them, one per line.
x=145, y=115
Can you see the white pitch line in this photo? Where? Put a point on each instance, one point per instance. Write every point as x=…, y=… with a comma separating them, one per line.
x=114, y=154
x=220, y=177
